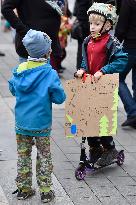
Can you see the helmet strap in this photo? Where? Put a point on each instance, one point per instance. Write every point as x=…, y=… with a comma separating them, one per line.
x=103, y=26
x=100, y=32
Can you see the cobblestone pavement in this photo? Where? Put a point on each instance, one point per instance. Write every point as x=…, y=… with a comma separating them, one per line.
x=113, y=185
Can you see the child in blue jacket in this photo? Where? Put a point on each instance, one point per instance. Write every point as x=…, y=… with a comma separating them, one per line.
x=36, y=86
x=102, y=54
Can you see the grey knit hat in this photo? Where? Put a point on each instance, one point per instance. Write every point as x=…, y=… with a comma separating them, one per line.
x=37, y=43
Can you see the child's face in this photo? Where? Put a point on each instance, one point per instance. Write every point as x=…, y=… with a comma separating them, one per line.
x=96, y=24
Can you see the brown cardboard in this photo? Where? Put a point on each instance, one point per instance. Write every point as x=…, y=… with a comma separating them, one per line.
x=91, y=108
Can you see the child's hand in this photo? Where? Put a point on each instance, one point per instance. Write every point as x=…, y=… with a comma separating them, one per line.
x=97, y=76
x=79, y=73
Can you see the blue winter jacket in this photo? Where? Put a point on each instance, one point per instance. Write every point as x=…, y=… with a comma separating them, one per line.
x=116, y=58
x=35, y=90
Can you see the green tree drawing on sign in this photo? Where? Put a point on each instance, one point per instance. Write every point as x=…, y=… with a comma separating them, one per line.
x=115, y=99
x=104, y=124
x=114, y=124
x=114, y=108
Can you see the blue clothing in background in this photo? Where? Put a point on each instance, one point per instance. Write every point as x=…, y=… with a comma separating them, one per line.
x=128, y=99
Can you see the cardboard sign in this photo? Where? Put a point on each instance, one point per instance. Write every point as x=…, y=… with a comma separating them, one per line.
x=91, y=108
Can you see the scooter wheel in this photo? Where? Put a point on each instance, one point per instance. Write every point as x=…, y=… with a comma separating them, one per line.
x=80, y=174
x=120, y=158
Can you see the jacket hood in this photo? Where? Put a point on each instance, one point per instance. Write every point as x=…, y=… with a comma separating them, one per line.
x=27, y=80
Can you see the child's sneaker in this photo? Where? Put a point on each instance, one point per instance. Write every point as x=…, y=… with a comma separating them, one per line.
x=107, y=157
x=23, y=195
x=95, y=153
x=47, y=197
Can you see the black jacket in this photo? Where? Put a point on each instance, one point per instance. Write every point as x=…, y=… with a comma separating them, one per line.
x=34, y=14
x=126, y=26
x=80, y=11
x=118, y=5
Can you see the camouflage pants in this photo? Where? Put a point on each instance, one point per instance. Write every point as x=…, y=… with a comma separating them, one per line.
x=44, y=165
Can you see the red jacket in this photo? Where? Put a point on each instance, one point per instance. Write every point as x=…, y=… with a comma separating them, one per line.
x=96, y=53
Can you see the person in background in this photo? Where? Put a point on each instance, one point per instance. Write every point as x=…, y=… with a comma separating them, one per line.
x=2, y=54
x=64, y=32
x=126, y=32
x=35, y=86
x=118, y=5
x=65, y=29
x=80, y=11
x=39, y=15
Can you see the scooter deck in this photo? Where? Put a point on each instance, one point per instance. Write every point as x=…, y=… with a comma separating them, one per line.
x=97, y=167
x=87, y=166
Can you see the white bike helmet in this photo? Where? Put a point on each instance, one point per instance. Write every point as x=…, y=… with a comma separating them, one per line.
x=106, y=10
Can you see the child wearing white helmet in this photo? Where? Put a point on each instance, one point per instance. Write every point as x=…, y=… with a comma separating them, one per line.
x=102, y=54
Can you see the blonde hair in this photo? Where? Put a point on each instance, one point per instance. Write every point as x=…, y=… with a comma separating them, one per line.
x=96, y=17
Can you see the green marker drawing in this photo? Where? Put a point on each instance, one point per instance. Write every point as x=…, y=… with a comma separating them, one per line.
x=104, y=125
x=69, y=136
x=114, y=124
x=114, y=108
x=69, y=118
x=115, y=99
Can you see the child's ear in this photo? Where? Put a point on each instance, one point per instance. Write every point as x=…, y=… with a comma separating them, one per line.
x=108, y=26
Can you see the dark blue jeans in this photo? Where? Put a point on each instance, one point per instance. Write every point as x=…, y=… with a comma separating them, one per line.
x=128, y=99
